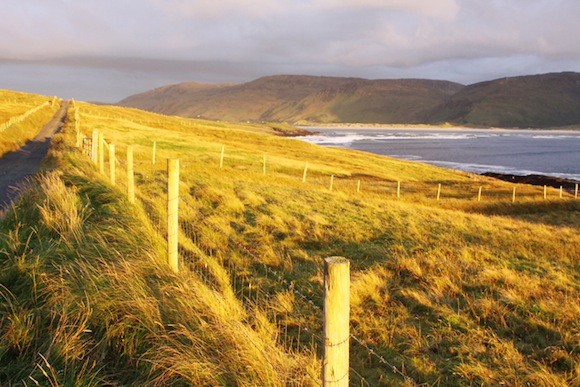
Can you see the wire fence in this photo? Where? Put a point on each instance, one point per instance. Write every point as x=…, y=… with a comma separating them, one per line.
x=452, y=192
x=242, y=269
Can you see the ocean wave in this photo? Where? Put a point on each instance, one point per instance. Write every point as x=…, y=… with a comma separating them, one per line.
x=481, y=168
x=396, y=141
x=554, y=136
x=346, y=139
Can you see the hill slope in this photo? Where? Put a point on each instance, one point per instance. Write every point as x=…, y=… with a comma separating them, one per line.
x=21, y=115
x=547, y=100
x=292, y=98
x=86, y=298
x=451, y=291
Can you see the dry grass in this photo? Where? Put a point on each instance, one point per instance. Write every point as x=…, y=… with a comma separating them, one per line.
x=13, y=104
x=88, y=301
x=456, y=291
x=451, y=292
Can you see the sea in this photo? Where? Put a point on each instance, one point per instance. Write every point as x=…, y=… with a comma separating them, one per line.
x=514, y=152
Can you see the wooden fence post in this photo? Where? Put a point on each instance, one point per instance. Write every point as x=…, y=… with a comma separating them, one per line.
x=222, y=157
x=335, y=364
x=331, y=181
x=545, y=192
x=561, y=192
x=112, y=163
x=514, y=195
x=438, y=191
x=101, y=153
x=172, y=213
x=358, y=186
x=94, y=148
x=305, y=172
x=479, y=193
x=130, y=175
x=576, y=191
x=398, y=189
x=77, y=128
x=154, y=154
x=79, y=137
x=264, y=165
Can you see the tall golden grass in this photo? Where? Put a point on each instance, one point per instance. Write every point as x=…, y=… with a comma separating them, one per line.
x=88, y=300
x=450, y=292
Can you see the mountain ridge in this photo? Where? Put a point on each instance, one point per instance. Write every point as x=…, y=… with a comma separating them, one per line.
x=545, y=100
x=551, y=99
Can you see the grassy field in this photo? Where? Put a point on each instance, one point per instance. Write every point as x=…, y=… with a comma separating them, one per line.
x=13, y=104
x=444, y=292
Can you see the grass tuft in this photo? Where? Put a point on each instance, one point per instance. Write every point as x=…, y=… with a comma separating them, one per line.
x=448, y=292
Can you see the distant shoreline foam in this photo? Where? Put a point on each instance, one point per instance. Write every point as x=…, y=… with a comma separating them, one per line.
x=508, y=173
x=346, y=137
x=363, y=127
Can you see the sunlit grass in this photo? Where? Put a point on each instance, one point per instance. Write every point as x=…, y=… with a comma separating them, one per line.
x=455, y=290
x=13, y=104
x=450, y=291
x=88, y=300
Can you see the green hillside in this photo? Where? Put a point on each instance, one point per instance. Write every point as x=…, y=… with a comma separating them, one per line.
x=539, y=101
x=290, y=98
x=444, y=292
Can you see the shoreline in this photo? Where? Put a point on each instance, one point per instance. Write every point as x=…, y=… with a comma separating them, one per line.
x=387, y=127
x=534, y=179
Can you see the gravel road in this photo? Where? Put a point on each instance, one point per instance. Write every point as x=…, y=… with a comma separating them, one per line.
x=17, y=166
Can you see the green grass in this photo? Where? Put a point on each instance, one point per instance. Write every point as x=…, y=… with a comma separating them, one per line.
x=451, y=292
x=88, y=300
x=13, y=104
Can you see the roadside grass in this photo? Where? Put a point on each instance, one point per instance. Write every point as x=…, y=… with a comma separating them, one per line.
x=14, y=104
x=88, y=300
x=450, y=291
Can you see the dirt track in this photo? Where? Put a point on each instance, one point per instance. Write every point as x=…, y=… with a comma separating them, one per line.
x=16, y=166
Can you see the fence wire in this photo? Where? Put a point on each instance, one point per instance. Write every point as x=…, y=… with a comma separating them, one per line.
x=291, y=287
x=156, y=219
x=241, y=279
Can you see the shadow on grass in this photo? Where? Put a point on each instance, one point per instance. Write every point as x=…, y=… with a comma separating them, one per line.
x=562, y=213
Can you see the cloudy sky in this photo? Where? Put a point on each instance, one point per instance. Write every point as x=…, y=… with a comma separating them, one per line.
x=104, y=50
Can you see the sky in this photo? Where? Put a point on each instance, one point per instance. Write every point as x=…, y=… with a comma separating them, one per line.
x=105, y=50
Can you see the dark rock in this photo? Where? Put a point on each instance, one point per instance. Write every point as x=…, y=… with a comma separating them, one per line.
x=550, y=181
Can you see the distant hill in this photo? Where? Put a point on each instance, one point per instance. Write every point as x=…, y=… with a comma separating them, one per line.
x=293, y=98
x=171, y=99
x=549, y=100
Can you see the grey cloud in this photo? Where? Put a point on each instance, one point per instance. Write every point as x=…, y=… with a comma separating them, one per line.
x=465, y=40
